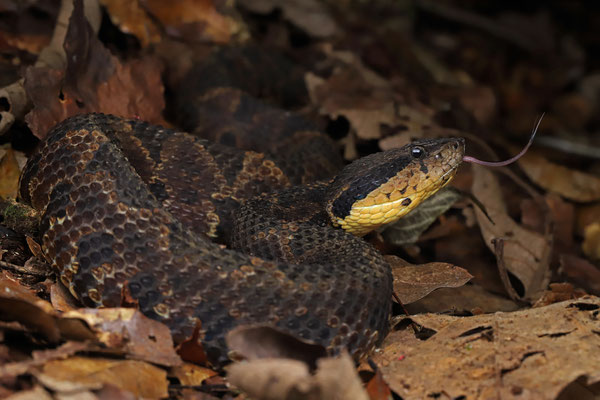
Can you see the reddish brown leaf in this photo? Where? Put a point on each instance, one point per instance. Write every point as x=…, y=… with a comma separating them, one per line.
x=378, y=389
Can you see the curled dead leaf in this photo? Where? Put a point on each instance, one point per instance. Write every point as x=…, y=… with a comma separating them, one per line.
x=525, y=254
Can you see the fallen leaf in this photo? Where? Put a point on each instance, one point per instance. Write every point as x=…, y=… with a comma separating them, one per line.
x=9, y=175
x=281, y=379
x=77, y=373
x=94, y=81
x=409, y=228
x=571, y=184
x=129, y=331
x=526, y=254
x=534, y=353
x=308, y=15
x=413, y=282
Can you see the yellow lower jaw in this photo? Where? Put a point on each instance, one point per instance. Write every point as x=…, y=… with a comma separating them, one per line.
x=364, y=219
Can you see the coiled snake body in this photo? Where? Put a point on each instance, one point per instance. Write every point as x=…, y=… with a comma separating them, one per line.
x=128, y=207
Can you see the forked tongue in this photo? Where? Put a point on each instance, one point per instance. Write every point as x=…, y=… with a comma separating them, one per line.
x=510, y=160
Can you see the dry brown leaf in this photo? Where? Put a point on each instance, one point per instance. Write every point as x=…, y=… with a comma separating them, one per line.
x=413, y=282
x=571, y=184
x=128, y=330
x=9, y=175
x=281, y=379
x=529, y=354
x=83, y=373
x=94, y=81
x=308, y=15
x=526, y=254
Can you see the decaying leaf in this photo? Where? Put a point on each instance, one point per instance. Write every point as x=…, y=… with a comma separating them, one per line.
x=281, y=379
x=408, y=228
x=533, y=353
x=526, y=254
x=94, y=81
x=413, y=282
x=572, y=184
x=82, y=373
x=309, y=15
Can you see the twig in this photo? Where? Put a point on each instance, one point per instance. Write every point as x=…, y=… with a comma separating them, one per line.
x=22, y=270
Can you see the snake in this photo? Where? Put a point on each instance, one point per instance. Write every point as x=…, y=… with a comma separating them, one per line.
x=135, y=213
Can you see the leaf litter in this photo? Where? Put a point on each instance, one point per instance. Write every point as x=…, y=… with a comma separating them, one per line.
x=378, y=75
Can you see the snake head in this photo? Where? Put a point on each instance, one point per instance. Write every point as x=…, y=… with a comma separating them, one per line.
x=383, y=187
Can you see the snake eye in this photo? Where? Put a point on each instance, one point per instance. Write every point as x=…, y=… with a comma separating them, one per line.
x=417, y=152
